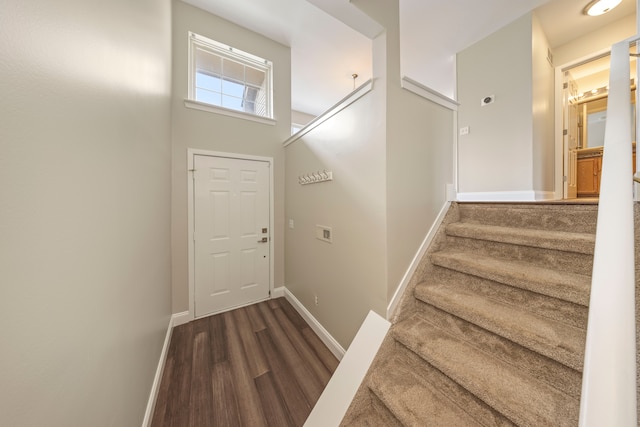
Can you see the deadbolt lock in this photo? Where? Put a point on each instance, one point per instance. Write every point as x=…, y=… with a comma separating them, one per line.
x=264, y=230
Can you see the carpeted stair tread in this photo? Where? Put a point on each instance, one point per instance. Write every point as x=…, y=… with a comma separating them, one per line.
x=523, y=399
x=492, y=323
x=543, y=305
x=528, y=361
x=550, y=338
x=547, y=239
x=414, y=401
x=478, y=409
x=572, y=218
x=564, y=285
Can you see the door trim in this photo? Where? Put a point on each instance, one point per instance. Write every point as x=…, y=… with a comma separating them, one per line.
x=560, y=191
x=191, y=153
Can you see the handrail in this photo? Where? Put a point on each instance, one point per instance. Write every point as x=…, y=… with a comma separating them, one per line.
x=609, y=375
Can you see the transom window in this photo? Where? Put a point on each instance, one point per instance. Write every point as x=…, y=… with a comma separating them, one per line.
x=227, y=77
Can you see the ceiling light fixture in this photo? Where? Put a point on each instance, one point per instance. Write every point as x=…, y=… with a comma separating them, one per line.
x=600, y=7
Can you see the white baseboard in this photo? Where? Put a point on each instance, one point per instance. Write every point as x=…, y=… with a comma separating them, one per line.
x=546, y=195
x=498, y=196
x=181, y=318
x=155, y=387
x=393, y=304
x=343, y=385
x=278, y=292
x=322, y=333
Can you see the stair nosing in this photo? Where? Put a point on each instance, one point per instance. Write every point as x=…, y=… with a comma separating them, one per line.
x=582, y=243
x=394, y=408
x=466, y=379
x=518, y=274
x=542, y=367
x=527, y=336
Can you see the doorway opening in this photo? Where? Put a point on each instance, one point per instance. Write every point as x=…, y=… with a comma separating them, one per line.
x=584, y=113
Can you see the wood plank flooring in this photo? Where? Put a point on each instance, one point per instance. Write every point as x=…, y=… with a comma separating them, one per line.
x=260, y=365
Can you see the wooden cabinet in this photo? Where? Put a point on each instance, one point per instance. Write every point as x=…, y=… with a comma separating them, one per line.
x=589, y=169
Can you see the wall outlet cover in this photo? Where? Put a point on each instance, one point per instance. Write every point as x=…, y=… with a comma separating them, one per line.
x=324, y=233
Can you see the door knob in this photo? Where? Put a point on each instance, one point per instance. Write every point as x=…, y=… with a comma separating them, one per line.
x=263, y=240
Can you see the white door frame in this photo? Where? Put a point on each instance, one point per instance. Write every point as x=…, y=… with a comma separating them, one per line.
x=191, y=152
x=559, y=140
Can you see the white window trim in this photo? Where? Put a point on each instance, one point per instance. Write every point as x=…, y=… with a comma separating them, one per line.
x=203, y=106
x=237, y=55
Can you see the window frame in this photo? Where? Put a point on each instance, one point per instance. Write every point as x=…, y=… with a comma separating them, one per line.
x=224, y=51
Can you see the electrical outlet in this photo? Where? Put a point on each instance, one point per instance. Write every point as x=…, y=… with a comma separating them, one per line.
x=464, y=131
x=315, y=299
x=291, y=224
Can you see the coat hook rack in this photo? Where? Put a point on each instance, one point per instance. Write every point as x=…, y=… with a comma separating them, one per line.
x=315, y=177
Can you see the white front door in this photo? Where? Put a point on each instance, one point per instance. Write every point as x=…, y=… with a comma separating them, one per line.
x=231, y=233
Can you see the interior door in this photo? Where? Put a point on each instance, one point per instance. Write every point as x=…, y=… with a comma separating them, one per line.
x=570, y=138
x=231, y=234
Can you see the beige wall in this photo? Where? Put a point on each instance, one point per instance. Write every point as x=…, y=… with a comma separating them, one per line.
x=595, y=42
x=85, y=295
x=392, y=154
x=419, y=159
x=510, y=147
x=210, y=131
x=348, y=275
x=542, y=86
x=496, y=156
x=300, y=118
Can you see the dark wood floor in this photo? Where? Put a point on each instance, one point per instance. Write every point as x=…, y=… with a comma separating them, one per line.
x=260, y=365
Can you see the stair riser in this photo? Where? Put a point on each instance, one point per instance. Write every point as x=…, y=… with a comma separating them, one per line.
x=562, y=285
x=570, y=218
x=583, y=243
x=563, y=344
x=560, y=260
x=540, y=367
x=508, y=390
x=483, y=413
x=383, y=413
x=411, y=398
x=564, y=311
x=371, y=412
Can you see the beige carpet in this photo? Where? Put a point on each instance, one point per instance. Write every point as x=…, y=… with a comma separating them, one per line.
x=491, y=330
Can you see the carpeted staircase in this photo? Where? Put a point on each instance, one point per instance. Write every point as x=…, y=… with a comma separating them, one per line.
x=492, y=327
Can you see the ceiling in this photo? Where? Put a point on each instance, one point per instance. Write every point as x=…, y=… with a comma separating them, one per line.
x=325, y=52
